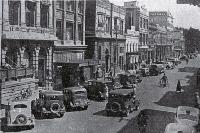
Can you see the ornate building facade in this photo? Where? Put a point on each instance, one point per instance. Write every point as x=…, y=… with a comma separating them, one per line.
x=27, y=40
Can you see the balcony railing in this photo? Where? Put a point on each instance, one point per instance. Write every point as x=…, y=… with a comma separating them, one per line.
x=16, y=73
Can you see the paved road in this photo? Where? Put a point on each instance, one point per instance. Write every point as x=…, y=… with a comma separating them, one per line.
x=159, y=102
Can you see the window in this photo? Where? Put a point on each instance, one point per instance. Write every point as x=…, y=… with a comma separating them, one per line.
x=59, y=30
x=80, y=6
x=20, y=106
x=99, y=52
x=130, y=48
x=101, y=20
x=69, y=31
x=80, y=32
x=121, y=50
x=70, y=5
x=59, y=4
x=115, y=24
x=44, y=16
x=30, y=14
x=144, y=23
x=107, y=24
x=140, y=22
x=121, y=27
x=14, y=12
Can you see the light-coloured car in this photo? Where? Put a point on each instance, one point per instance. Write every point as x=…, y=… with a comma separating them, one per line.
x=19, y=114
x=187, y=115
x=179, y=128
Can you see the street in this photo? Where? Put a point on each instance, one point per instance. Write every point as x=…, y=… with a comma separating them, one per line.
x=160, y=104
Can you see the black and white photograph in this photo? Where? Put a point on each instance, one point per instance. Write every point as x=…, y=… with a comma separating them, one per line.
x=99, y=66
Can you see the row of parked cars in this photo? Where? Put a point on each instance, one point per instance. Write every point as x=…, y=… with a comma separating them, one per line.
x=120, y=95
x=186, y=121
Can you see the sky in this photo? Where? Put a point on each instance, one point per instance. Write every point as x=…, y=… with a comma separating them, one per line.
x=185, y=15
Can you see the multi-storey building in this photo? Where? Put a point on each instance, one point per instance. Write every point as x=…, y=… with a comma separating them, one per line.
x=138, y=16
x=27, y=38
x=131, y=49
x=164, y=20
x=105, y=25
x=179, y=42
x=69, y=19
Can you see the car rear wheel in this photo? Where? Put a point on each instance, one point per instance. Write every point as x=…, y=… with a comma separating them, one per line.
x=55, y=108
x=21, y=119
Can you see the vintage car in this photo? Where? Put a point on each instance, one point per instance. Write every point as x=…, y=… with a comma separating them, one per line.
x=49, y=103
x=98, y=89
x=18, y=114
x=144, y=71
x=179, y=128
x=75, y=97
x=187, y=115
x=156, y=69
x=121, y=101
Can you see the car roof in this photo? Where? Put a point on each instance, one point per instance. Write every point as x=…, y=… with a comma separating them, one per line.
x=75, y=89
x=121, y=91
x=51, y=92
x=178, y=127
x=23, y=101
x=183, y=110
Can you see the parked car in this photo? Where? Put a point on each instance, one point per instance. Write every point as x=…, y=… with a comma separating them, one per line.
x=122, y=101
x=169, y=65
x=187, y=115
x=75, y=97
x=98, y=89
x=144, y=71
x=179, y=128
x=50, y=103
x=175, y=61
x=155, y=69
x=18, y=114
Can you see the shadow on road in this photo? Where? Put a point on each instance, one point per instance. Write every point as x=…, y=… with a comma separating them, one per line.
x=188, y=69
x=155, y=122
x=186, y=98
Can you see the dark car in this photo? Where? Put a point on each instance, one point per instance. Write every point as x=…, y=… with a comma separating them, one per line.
x=156, y=69
x=98, y=89
x=125, y=78
x=122, y=101
x=49, y=103
x=75, y=97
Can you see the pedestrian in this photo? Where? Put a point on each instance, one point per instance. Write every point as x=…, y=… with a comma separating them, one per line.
x=178, y=87
x=142, y=121
x=187, y=60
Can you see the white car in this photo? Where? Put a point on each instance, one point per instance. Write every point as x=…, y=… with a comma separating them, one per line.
x=18, y=114
x=187, y=115
x=179, y=128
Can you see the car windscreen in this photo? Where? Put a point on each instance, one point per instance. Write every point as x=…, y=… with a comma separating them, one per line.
x=79, y=92
x=20, y=106
x=186, y=116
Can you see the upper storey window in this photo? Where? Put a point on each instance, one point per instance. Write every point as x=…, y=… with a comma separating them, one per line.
x=59, y=4
x=14, y=12
x=30, y=14
x=101, y=19
x=44, y=16
x=80, y=6
x=70, y=5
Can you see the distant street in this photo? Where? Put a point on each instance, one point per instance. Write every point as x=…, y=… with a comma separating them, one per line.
x=160, y=103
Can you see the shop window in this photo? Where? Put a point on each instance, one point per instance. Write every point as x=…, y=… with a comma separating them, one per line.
x=30, y=14
x=121, y=50
x=59, y=30
x=44, y=16
x=99, y=52
x=101, y=19
x=70, y=5
x=69, y=31
x=14, y=12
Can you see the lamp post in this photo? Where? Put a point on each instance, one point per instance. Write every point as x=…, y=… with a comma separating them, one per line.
x=115, y=49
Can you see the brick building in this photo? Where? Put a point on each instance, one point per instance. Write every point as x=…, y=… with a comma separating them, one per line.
x=27, y=38
x=105, y=35
x=69, y=21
